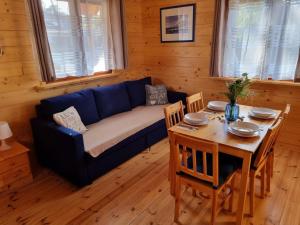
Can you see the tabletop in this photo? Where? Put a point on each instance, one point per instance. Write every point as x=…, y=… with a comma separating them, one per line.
x=216, y=131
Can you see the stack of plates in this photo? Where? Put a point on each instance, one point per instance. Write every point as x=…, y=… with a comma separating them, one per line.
x=196, y=119
x=217, y=105
x=244, y=129
x=262, y=113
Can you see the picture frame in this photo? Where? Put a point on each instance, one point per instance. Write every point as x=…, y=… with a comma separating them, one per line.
x=177, y=23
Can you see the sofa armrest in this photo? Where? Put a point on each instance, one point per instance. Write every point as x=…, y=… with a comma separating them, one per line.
x=49, y=135
x=59, y=148
x=174, y=96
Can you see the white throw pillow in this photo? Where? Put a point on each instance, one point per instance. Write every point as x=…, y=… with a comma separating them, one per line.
x=70, y=119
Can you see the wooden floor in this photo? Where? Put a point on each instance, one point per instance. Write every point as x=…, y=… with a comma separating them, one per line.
x=137, y=193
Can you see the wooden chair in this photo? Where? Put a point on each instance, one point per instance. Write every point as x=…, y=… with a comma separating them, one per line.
x=173, y=115
x=271, y=156
x=198, y=166
x=195, y=103
x=260, y=162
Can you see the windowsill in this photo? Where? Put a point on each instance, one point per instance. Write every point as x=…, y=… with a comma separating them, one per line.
x=256, y=81
x=75, y=81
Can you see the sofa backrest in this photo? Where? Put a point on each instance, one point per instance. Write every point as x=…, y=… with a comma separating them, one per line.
x=97, y=103
x=111, y=100
x=136, y=91
x=83, y=101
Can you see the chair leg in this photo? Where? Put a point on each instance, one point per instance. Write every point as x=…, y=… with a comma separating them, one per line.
x=252, y=180
x=262, y=180
x=177, y=198
x=272, y=163
x=169, y=173
x=232, y=194
x=269, y=175
x=170, y=165
x=214, y=207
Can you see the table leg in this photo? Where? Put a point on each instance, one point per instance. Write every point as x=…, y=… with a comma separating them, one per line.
x=243, y=187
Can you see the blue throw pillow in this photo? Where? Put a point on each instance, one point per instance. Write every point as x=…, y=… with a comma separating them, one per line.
x=83, y=101
x=111, y=100
x=136, y=91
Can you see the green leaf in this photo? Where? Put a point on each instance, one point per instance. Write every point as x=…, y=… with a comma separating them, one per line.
x=238, y=88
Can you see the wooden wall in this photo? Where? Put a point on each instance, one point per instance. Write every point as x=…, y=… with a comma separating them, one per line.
x=19, y=72
x=181, y=66
x=185, y=66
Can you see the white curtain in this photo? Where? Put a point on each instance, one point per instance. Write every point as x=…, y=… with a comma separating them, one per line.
x=80, y=36
x=262, y=39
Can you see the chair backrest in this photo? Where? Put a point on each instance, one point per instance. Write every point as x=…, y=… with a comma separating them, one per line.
x=174, y=114
x=284, y=118
x=195, y=103
x=268, y=142
x=186, y=147
x=286, y=111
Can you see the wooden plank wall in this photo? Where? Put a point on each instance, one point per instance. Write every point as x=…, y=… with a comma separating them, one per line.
x=182, y=66
x=185, y=66
x=19, y=72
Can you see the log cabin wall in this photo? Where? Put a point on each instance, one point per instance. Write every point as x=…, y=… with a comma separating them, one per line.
x=185, y=66
x=19, y=71
x=181, y=66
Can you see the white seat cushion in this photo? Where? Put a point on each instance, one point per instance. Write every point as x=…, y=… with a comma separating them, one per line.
x=112, y=130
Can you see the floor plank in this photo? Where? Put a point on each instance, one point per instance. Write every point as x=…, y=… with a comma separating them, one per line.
x=137, y=193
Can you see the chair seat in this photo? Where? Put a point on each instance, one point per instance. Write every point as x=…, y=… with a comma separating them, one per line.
x=227, y=166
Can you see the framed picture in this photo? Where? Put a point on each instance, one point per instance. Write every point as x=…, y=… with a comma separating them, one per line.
x=177, y=23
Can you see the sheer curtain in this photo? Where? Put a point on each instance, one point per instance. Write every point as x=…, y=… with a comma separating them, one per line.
x=80, y=36
x=262, y=38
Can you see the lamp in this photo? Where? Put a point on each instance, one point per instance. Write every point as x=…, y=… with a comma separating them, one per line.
x=5, y=132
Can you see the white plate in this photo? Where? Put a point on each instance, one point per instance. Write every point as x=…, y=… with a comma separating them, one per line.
x=196, y=117
x=204, y=122
x=217, y=105
x=263, y=112
x=255, y=134
x=245, y=128
x=262, y=117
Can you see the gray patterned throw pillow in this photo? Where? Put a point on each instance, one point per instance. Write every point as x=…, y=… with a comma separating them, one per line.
x=156, y=95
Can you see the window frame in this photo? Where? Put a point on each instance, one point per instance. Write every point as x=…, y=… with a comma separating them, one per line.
x=44, y=86
x=290, y=83
x=71, y=77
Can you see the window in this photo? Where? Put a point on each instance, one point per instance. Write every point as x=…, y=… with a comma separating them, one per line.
x=83, y=37
x=259, y=37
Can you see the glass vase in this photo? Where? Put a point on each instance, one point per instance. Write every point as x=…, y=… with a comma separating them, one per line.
x=232, y=112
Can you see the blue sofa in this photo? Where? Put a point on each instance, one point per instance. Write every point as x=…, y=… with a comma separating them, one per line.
x=62, y=149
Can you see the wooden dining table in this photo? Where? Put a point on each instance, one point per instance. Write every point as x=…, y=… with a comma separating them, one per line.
x=216, y=131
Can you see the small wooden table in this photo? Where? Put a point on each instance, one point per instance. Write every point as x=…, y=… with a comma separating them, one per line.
x=14, y=167
x=216, y=131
